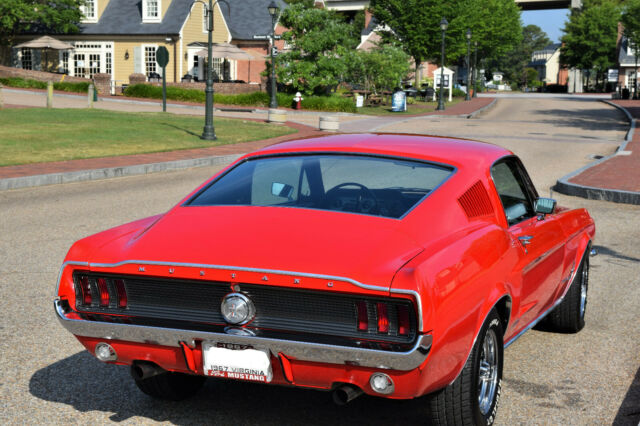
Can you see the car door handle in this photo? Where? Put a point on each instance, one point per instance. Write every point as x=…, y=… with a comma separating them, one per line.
x=525, y=240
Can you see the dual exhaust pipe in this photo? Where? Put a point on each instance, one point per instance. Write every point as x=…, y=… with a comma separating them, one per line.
x=141, y=370
x=342, y=395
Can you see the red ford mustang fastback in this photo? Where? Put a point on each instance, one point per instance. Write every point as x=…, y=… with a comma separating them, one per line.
x=393, y=265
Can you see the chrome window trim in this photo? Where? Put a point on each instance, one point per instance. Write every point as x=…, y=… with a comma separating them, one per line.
x=64, y=265
x=304, y=351
x=413, y=293
x=453, y=170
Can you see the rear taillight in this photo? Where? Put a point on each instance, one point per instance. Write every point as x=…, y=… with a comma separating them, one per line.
x=403, y=321
x=84, y=294
x=100, y=291
x=104, y=292
x=383, y=318
x=122, y=293
x=388, y=318
x=363, y=316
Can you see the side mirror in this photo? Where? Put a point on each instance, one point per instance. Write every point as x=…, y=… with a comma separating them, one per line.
x=545, y=205
x=281, y=190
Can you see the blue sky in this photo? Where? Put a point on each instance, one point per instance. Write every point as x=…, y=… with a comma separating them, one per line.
x=551, y=21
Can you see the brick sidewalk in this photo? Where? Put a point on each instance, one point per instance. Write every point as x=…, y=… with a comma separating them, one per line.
x=620, y=172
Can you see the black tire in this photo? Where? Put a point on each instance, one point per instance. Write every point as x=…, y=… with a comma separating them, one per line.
x=171, y=386
x=568, y=316
x=459, y=403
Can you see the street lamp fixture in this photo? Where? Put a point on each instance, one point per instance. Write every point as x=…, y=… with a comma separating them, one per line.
x=468, y=95
x=443, y=26
x=475, y=65
x=273, y=11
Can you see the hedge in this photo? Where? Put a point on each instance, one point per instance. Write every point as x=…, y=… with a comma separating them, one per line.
x=258, y=99
x=36, y=84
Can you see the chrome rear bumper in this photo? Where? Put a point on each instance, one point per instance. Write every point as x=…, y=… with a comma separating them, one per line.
x=302, y=351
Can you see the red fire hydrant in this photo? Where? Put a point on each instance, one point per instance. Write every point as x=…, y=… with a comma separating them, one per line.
x=297, y=101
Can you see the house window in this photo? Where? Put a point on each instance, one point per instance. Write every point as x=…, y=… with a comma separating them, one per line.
x=89, y=10
x=79, y=65
x=108, y=67
x=205, y=19
x=64, y=62
x=151, y=10
x=27, y=62
x=218, y=68
x=150, y=60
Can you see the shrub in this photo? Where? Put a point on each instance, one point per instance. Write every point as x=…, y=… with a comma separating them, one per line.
x=258, y=99
x=35, y=84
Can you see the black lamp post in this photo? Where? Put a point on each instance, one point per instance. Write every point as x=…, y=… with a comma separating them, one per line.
x=475, y=65
x=209, y=133
x=443, y=26
x=468, y=95
x=273, y=11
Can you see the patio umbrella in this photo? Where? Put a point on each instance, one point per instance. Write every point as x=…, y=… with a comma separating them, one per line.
x=46, y=43
x=229, y=51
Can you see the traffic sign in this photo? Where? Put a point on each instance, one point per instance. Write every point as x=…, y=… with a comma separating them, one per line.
x=162, y=56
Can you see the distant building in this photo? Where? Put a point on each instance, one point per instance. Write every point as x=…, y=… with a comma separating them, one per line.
x=627, y=63
x=120, y=37
x=547, y=63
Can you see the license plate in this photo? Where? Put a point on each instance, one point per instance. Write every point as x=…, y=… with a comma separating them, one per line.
x=241, y=364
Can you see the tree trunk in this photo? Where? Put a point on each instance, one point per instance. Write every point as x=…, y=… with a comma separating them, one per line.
x=418, y=75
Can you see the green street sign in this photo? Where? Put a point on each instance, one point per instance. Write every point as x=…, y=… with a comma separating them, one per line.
x=162, y=56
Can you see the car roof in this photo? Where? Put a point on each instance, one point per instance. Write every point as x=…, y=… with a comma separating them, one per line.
x=452, y=151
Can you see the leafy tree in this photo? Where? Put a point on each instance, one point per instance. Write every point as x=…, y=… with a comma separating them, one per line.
x=513, y=63
x=47, y=16
x=379, y=69
x=415, y=24
x=590, y=37
x=319, y=40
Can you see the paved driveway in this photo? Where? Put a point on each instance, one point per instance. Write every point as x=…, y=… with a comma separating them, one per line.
x=549, y=378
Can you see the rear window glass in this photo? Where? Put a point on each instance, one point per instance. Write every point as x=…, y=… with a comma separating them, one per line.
x=380, y=186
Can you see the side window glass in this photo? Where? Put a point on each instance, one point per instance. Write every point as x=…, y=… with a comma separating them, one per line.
x=275, y=182
x=512, y=191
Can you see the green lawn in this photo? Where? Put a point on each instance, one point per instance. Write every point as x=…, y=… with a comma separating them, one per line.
x=419, y=107
x=34, y=135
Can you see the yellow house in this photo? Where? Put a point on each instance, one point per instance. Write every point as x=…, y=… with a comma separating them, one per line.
x=120, y=37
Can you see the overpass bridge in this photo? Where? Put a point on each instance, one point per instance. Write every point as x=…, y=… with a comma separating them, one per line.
x=348, y=5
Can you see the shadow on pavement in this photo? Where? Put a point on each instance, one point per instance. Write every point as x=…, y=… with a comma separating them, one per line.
x=615, y=254
x=591, y=119
x=629, y=411
x=87, y=385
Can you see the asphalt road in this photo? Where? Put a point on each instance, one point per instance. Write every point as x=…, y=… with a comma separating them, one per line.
x=47, y=377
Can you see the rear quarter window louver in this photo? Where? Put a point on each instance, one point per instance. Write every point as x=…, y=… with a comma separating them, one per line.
x=475, y=201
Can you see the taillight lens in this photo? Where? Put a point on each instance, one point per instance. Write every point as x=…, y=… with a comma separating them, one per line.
x=104, y=292
x=85, y=290
x=403, y=321
x=383, y=318
x=363, y=316
x=122, y=293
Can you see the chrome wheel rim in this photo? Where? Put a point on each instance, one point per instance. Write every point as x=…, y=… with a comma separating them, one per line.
x=584, y=282
x=488, y=372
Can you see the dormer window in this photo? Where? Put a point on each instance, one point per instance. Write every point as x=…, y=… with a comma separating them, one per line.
x=151, y=10
x=90, y=10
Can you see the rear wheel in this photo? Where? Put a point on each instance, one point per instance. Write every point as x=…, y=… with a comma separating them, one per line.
x=472, y=399
x=568, y=316
x=171, y=386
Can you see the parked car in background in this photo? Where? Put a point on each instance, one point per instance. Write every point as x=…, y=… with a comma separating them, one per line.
x=392, y=265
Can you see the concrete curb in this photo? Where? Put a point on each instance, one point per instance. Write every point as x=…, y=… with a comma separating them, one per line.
x=563, y=185
x=111, y=172
x=483, y=109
